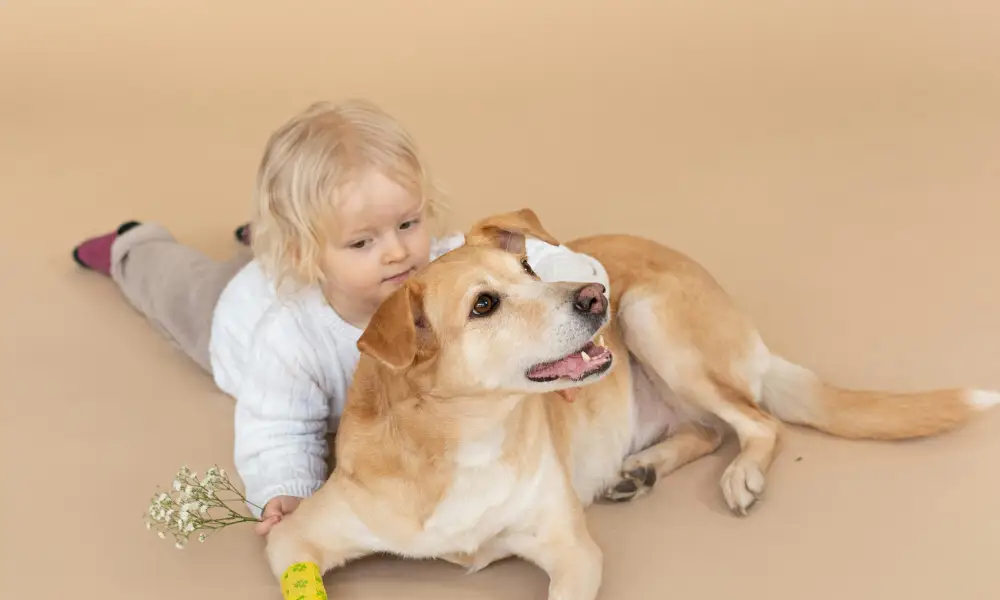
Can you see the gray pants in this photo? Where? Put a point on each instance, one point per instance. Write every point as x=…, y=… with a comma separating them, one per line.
x=174, y=286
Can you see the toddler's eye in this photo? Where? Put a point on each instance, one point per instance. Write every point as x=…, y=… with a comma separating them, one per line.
x=358, y=245
x=409, y=224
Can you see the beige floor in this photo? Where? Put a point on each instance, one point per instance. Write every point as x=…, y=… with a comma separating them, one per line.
x=836, y=166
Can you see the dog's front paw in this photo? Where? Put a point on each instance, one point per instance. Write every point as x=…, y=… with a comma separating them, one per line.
x=742, y=485
x=636, y=480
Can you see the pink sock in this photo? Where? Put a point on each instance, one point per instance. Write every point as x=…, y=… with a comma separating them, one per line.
x=95, y=253
x=243, y=234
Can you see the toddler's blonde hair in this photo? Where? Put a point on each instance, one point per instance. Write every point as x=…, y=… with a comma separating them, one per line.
x=307, y=162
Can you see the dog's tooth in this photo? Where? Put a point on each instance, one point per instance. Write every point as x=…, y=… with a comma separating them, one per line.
x=600, y=341
x=585, y=356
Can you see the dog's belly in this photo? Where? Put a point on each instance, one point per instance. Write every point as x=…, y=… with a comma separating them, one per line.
x=632, y=415
x=653, y=414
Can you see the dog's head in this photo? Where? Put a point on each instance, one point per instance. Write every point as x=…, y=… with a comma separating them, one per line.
x=478, y=320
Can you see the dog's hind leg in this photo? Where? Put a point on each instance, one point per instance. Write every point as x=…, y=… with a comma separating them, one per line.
x=712, y=359
x=743, y=480
x=642, y=470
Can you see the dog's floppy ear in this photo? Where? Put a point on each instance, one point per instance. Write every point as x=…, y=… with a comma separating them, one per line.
x=395, y=330
x=508, y=230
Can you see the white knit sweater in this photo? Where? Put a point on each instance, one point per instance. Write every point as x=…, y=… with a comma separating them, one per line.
x=288, y=362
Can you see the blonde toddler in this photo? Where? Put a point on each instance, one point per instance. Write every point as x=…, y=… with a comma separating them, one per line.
x=344, y=212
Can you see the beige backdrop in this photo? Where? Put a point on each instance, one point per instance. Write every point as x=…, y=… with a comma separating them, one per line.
x=834, y=163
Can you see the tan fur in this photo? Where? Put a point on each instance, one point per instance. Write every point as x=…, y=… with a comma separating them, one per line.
x=446, y=449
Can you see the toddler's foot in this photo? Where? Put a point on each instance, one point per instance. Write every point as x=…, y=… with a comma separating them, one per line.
x=95, y=253
x=242, y=234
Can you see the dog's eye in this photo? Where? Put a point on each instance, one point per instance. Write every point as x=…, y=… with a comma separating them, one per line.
x=527, y=267
x=485, y=304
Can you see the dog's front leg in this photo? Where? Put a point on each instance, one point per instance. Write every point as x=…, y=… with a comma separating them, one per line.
x=642, y=470
x=311, y=541
x=562, y=546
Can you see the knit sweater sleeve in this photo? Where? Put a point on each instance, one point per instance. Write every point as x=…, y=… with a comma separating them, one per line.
x=281, y=416
x=445, y=244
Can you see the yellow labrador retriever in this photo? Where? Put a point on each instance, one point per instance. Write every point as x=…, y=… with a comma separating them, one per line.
x=462, y=439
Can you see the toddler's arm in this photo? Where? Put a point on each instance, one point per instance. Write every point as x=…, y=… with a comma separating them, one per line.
x=281, y=418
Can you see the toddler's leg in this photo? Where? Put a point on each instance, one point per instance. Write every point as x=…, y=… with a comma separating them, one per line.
x=174, y=286
x=95, y=253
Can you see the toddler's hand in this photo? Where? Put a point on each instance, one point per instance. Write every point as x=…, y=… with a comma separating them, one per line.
x=274, y=510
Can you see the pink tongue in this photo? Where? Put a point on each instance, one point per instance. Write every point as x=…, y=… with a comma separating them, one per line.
x=573, y=366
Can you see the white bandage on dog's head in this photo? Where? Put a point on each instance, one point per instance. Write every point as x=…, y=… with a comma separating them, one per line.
x=572, y=266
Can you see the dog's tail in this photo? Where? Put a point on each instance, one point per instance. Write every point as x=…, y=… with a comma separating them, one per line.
x=796, y=395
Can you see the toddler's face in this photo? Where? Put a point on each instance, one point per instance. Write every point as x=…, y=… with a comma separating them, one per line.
x=379, y=239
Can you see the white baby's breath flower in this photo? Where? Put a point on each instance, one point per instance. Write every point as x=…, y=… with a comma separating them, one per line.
x=188, y=510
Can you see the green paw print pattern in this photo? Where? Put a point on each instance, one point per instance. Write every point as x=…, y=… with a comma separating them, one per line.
x=303, y=581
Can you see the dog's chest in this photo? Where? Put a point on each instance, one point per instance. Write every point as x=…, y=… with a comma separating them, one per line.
x=485, y=497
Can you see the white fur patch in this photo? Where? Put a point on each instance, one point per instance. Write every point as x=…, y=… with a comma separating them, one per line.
x=756, y=366
x=482, y=500
x=983, y=399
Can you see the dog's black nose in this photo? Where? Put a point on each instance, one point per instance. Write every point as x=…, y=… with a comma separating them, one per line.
x=590, y=299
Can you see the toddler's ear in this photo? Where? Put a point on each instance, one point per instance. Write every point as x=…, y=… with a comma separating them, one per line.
x=392, y=333
x=507, y=231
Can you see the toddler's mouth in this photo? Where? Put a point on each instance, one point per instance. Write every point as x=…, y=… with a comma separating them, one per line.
x=399, y=277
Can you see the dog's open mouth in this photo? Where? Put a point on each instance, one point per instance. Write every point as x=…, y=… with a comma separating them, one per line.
x=592, y=359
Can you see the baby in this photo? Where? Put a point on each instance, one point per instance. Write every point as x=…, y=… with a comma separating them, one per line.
x=344, y=212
